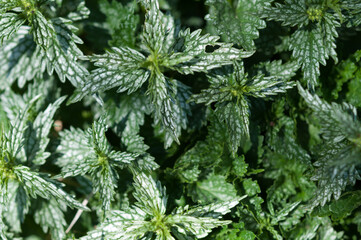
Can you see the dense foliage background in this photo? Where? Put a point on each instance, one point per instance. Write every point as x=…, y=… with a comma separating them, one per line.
x=215, y=119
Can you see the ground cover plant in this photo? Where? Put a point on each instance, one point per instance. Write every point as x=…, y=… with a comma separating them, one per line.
x=180, y=119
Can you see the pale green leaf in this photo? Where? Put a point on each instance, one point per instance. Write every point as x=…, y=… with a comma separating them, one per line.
x=237, y=21
x=213, y=188
x=20, y=59
x=9, y=24
x=49, y=214
x=37, y=185
x=151, y=196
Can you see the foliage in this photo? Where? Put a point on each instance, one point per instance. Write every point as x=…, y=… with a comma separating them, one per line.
x=169, y=119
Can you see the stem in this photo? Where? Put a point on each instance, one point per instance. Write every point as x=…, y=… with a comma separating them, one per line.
x=78, y=214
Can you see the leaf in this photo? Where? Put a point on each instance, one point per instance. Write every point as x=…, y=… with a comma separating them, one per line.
x=292, y=13
x=42, y=30
x=36, y=135
x=340, y=208
x=9, y=24
x=340, y=129
x=339, y=122
x=236, y=118
x=160, y=94
x=17, y=207
x=63, y=54
x=314, y=40
x=190, y=53
x=57, y=42
x=213, y=188
x=230, y=88
x=238, y=21
x=203, y=155
x=278, y=69
x=353, y=13
x=79, y=11
x=313, y=45
x=148, y=216
x=20, y=58
x=151, y=196
x=50, y=216
x=37, y=185
x=90, y=153
x=122, y=67
x=122, y=225
x=180, y=110
x=121, y=21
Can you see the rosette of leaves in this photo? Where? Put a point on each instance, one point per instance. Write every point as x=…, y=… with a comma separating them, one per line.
x=89, y=153
x=340, y=153
x=316, y=22
x=147, y=218
x=163, y=47
x=230, y=89
x=33, y=39
x=23, y=144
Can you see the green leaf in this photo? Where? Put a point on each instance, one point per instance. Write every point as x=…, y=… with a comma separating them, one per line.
x=292, y=13
x=121, y=21
x=230, y=88
x=17, y=207
x=340, y=208
x=37, y=185
x=119, y=67
x=56, y=39
x=79, y=11
x=63, y=54
x=20, y=58
x=148, y=216
x=314, y=40
x=203, y=155
x=49, y=214
x=9, y=24
x=340, y=154
x=42, y=30
x=338, y=122
x=123, y=225
x=239, y=166
x=236, y=117
x=190, y=53
x=237, y=21
x=36, y=134
x=313, y=45
x=151, y=196
x=213, y=188
x=353, y=13
x=251, y=187
x=90, y=153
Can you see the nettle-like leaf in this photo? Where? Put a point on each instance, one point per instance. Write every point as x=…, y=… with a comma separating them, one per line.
x=313, y=42
x=26, y=182
x=341, y=208
x=121, y=21
x=88, y=152
x=352, y=13
x=237, y=21
x=126, y=116
x=49, y=214
x=36, y=184
x=166, y=48
x=213, y=188
x=49, y=43
x=340, y=154
x=230, y=89
x=203, y=155
x=147, y=218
